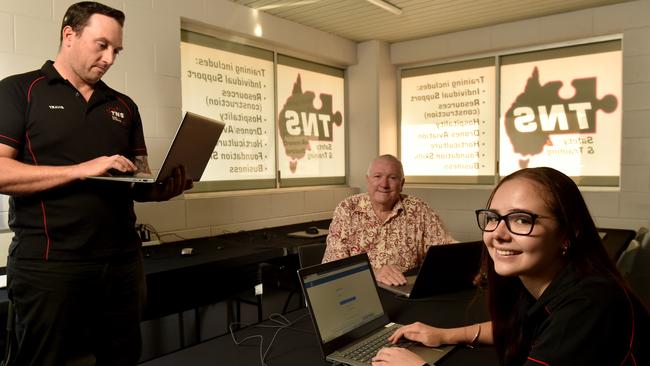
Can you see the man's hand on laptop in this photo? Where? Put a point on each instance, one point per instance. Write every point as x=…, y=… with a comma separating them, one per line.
x=103, y=165
x=390, y=275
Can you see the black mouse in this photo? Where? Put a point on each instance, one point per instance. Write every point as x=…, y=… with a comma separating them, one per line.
x=312, y=230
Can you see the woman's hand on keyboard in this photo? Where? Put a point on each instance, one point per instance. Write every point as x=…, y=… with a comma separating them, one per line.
x=419, y=332
x=396, y=356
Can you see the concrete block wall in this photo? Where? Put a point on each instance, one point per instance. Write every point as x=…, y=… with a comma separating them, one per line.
x=202, y=215
x=628, y=207
x=148, y=70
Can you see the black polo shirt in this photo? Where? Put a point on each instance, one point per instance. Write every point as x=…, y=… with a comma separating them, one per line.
x=587, y=321
x=48, y=121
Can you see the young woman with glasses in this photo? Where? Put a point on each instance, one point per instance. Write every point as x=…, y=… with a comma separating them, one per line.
x=554, y=295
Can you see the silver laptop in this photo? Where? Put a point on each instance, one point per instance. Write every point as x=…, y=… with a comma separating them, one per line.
x=192, y=148
x=348, y=315
x=446, y=268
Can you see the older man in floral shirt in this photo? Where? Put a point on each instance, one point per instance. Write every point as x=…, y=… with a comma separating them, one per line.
x=394, y=229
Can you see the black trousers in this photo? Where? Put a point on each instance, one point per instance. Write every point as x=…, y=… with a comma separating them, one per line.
x=82, y=313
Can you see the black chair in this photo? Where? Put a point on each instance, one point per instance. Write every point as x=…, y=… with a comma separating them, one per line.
x=308, y=255
x=285, y=277
x=280, y=274
x=311, y=254
x=638, y=275
x=277, y=273
x=253, y=297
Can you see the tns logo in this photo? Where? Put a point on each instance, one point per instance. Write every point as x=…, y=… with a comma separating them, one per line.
x=116, y=115
x=540, y=112
x=299, y=123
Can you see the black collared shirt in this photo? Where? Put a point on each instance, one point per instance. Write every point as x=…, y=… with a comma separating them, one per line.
x=587, y=321
x=47, y=120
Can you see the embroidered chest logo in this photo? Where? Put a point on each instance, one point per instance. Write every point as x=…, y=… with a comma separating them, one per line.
x=56, y=107
x=116, y=115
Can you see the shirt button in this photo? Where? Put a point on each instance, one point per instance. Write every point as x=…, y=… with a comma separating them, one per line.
x=77, y=94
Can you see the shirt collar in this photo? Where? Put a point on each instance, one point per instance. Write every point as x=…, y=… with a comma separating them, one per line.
x=52, y=76
x=562, y=283
x=50, y=72
x=365, y=204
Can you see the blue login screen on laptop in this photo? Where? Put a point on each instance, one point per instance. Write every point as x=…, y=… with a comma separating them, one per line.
x=343, y=299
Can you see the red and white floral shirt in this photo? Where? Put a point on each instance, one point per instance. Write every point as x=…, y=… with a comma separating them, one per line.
x=401, y=240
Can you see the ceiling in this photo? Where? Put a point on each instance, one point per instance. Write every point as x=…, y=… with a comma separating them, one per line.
x=359, y=20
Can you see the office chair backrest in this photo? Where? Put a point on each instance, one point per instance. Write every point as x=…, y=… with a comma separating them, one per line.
x=645, y=241
x=626, y=261
x=639, y=276
x=311, y=254
x=640, y=234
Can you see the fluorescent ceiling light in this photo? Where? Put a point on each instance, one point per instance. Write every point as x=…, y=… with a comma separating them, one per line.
x=283, y=5
x=386, y=6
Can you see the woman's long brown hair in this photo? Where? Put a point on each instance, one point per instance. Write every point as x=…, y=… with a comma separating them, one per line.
x=508, y=299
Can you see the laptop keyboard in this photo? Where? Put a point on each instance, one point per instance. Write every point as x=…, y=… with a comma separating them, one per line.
x=366, y=350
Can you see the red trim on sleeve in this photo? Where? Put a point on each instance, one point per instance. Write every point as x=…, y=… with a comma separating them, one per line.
x=126, y=105
x=29, y=92
x=538, y=361
x=10, y=139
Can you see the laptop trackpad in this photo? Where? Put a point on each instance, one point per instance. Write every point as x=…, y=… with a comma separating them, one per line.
x=430, y=354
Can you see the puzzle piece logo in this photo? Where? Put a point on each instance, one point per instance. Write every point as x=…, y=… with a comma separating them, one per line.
x=540, y=112
x=299, y=122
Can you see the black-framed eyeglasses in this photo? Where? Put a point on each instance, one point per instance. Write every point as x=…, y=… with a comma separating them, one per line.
x=518, y=222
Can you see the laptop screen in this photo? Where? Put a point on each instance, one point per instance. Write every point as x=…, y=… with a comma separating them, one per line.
x=343, y=299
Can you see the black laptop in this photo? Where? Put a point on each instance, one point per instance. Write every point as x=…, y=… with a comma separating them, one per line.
x=446, y=268
x=348, y=315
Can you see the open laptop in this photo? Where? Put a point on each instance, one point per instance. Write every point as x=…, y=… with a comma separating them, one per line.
x=347, y=313
x=446, y=268
x=192, y=148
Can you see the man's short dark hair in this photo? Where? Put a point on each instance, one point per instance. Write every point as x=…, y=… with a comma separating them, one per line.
x=78, y=14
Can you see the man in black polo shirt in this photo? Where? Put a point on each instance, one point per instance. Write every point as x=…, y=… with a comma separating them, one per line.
x=75, y=269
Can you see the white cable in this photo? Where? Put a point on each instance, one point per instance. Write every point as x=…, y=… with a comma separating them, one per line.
x=282, y=323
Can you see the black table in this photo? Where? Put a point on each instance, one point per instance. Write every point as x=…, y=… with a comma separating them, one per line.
x=219, y=268
x=298, y=344
x=216, y=270
x=278, y=237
